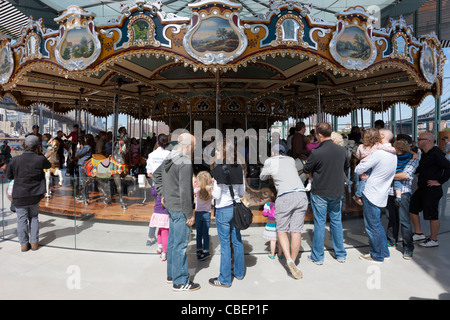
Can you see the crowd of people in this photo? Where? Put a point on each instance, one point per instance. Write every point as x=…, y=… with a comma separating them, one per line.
x=394, y=175
x=387, y=169
x=27, y=170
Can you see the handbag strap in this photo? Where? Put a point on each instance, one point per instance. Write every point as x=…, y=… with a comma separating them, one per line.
x=227, y=174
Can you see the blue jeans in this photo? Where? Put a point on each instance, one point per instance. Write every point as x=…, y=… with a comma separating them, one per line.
x=397, y=185
x=320, y=206
x=177, y=266
x=399, y=220
x=374, y=229
x=225, y=230
x=83, y=187
x=202, y=222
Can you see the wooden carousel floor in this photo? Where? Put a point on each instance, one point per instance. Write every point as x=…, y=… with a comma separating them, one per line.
x=63, y=203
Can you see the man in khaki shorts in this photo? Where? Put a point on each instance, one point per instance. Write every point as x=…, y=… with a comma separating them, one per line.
x=290, y=205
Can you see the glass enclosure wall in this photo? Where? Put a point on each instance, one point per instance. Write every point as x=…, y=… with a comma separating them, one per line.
x=65, y=220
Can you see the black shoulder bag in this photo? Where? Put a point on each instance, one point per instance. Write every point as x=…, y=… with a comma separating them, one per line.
x=242, y=216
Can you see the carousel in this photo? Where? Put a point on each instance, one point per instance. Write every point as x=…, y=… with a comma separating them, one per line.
x=216, y=67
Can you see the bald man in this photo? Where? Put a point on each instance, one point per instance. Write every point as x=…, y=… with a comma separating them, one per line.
x=173, y=182
x=375, y=196
x=433, y=171
x=386, y=135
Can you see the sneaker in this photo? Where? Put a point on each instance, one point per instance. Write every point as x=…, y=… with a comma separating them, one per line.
x=203, y=256
x=429, y=243
x=163, y=256
x=419, y=237
x=394, y=245
x=169, y=280
x=190, y=286
x=150, y=242
x=296, y=272
x=407, y=255
x=368, y=257
x=319, y=263
x=199, y=253
x=215, y=282
x=340, y=259
x=308, y=187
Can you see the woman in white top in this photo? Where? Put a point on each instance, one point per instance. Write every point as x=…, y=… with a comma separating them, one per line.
x=224, y=219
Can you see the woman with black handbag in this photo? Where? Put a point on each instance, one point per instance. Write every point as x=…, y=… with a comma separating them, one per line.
x=228, y=180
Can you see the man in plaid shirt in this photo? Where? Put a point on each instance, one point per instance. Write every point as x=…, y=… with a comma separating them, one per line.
x=398, y=216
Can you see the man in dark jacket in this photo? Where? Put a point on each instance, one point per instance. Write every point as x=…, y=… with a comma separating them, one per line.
x=173, y=182
x=327, y=163
x=433, y=171
x=299, y=150
x=27, y=170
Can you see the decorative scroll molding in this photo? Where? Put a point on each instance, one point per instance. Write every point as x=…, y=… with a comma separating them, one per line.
x=6, y=61
x=290, y=31
x=229, y=42
x=352, y=44
x=78, y=45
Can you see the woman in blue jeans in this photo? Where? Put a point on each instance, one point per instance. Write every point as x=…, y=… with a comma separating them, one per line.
x=224, y=222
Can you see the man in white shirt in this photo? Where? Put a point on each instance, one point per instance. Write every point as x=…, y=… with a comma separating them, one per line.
x=375, y=196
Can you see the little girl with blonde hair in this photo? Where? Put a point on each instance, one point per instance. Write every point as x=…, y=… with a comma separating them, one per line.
x=203, y=194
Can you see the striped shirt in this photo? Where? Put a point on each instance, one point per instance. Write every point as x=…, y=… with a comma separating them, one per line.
x=269, y=212
x=409, y=170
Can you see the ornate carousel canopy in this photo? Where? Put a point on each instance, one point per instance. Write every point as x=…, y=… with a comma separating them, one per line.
x=281, y=63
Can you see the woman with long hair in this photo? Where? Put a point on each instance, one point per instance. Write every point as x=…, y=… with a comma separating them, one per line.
x=228, y=173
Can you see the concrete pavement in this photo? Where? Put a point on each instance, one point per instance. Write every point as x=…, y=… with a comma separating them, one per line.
x=112, y=262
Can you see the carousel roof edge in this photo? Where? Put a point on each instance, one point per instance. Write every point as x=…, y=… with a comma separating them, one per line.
x=217, y=38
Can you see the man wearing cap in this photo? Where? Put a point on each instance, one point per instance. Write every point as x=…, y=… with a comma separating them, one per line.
x=27, y=171
x=327, y=164
x=290, y=205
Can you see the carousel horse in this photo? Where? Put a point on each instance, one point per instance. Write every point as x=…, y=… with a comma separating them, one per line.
x=71, y=158
x=259, y=195
x=300, y=164
x=55, y=170
x=102, y=168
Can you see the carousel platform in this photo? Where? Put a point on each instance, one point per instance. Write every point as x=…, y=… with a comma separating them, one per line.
x=64, y=203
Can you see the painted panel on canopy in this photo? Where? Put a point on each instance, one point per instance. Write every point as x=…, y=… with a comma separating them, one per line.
x=215, y=34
